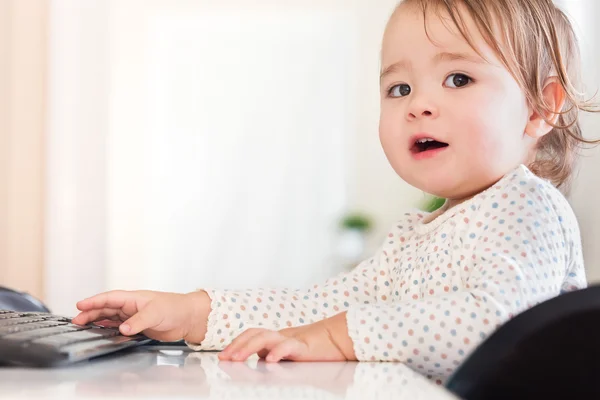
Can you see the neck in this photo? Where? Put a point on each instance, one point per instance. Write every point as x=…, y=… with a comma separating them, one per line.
x=454, y=202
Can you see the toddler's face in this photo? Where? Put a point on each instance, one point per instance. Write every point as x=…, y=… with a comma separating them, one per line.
x=443, y=90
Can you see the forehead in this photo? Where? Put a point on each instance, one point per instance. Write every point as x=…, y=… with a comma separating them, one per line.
x=409, y=34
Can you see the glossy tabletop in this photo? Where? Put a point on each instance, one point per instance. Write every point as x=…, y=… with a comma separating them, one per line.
x=176, y=372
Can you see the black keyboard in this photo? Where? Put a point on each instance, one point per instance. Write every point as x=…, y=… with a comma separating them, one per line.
x=44, y=340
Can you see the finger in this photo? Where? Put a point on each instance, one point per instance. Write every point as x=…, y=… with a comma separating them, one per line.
x=114, y=318
x=79, y=319
x=266, y=340
x=145, y=319
x=112, y=299
x=263, y=353
x=97, y=315
x=239, y=342
x=290, y=349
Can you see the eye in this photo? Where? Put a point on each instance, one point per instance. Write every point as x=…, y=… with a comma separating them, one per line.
x=399, y=90
x=457, y=80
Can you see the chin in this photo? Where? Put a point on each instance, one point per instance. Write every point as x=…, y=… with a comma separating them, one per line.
x=432, y=177
x=439, y=186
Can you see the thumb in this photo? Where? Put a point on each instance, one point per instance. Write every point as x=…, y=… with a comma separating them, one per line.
x=146, y=318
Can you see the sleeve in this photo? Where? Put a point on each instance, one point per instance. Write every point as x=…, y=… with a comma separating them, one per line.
x=235, y=311
x=511, y=258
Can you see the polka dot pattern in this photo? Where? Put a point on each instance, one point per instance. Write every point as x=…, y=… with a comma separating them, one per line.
x=434, y=290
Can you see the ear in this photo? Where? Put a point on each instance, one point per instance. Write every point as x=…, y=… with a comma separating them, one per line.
x=554, y=98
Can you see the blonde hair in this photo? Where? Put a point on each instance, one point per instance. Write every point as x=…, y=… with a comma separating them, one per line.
x=537, y=41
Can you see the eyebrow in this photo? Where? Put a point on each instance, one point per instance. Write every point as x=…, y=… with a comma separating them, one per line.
x=440, y=57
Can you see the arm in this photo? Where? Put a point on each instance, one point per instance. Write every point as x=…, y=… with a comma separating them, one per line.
x=233, y=311
x=511, y=263
x=506, y=261
x=431, y=334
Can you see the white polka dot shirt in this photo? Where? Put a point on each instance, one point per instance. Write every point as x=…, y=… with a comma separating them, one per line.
x=434, y=290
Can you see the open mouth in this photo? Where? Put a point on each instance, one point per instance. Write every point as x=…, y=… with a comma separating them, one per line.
x=426, y=144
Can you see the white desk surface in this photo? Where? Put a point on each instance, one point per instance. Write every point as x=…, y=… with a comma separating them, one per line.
x=151, y=373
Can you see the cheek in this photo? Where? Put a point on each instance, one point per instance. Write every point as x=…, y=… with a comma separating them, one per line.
x=390, y=130
x=393, y=139
x=494, y=120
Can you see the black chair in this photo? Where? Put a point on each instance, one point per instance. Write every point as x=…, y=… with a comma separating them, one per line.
x=19, y=301
x=551, y=351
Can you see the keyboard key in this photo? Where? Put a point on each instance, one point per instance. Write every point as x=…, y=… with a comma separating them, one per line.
x=9, y=315
x=74, y=337
x=44, y=339
x=38, y=332
x=7, y=330
x=56, y=318
x=21, y=320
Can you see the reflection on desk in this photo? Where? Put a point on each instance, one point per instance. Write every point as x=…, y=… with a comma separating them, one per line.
x=149, y=372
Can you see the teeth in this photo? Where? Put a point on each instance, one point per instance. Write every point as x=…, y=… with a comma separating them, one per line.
x=424, y=140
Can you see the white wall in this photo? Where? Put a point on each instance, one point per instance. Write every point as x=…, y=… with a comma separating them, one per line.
x=75, y=237
x=109, y=161
x=235, y=164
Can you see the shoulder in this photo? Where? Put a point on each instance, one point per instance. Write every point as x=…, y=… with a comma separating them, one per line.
x=523, y=193
x=525, y=203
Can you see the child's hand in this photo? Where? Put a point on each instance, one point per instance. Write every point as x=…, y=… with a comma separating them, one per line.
x=325, y=340
x=161, y=316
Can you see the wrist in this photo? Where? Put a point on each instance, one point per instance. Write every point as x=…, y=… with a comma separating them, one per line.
x=337, y=328
x=199, y=303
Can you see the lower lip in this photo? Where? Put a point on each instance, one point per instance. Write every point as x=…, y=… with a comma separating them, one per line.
x=428, y=153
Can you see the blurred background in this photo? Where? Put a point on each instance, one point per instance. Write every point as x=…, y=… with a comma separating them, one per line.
x=176, y=144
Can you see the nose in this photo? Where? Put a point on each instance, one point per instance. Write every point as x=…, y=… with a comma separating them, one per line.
x=421, y=107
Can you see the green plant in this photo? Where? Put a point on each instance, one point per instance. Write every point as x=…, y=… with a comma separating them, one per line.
x=433, y=203
x=356, y=221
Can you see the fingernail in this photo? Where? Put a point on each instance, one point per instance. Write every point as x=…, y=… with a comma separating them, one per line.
x=125, y=328
x=235, y=356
